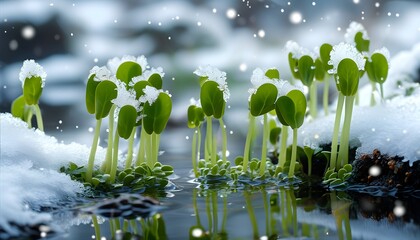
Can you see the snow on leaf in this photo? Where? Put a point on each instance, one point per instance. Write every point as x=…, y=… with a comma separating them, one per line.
x=150, y=94
x=125, y=96
x=342, y=51
x=352, y=30
x=115, y=62
x=32, y=69
x=101, y=73
x=214, y=74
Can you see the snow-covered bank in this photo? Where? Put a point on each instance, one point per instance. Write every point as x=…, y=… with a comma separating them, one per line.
x=29, y=177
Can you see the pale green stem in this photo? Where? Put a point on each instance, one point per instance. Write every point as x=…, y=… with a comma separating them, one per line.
x=29, y=117
x=382, y=91
x=347, y=226
x=313, y=100
x=114, y=166
x=334, y=142
x=125, y=225
x=155, y=149
x=117, y=224
x=283, y=145
x=251, y=214
x=92, y=154
x=96, y=226
x=141, y=150
x=106, y=166
x=214, y=150
x=325, y=94
x=198, y=143
x=209, y=139
x=149, y=152
x=38, y=115
x=266, y=132
x=339, y=225
x=224, y=139
x=372, y=95
x=194, y=153
x=309, y=165
x=248, y=140
x=345, y=134
x=129, y=159
x=294, y=150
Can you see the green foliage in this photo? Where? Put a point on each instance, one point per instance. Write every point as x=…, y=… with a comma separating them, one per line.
x=306, y=70
x=127, y=70
x=324, y=54
x=140, y=178
x=272, y=73
x=212, y=101
x=347, y=77
x=361, y=44
x=377, y=68
x=157, y=114
x=293, y=64
x=32, y=90
x=18, y=108
x=195, y=116
x=155, y=80
x=208, y=170
x=104, y=93
x=274, y=135
x=127, y=118
x=139, y=86
x=262, y=101
x=319, y=70
x=90, y=94
x=291, y=108
x=338, y=179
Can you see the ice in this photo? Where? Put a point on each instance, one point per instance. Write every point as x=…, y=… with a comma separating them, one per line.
x=29, y=177
x=32, y=69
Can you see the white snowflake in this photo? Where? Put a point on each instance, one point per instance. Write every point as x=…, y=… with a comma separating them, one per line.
x=342, y=51
x=101, y=73
x=32, y=69
x=115, y=62
x=352, y=30
x=214, y=74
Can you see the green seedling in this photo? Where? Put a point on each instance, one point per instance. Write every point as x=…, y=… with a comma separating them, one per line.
x=335, y=179
x=306, y=71
x=195, y=116
x=290, y=110
x=324, y=58
x=32, y=76
x=377, y=68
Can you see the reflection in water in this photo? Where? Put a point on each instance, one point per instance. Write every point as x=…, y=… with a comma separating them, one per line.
x=340, y=210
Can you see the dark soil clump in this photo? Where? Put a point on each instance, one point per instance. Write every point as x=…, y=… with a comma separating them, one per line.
x=394, y=174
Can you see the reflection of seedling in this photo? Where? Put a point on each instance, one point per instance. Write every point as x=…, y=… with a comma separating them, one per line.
x=32, y=76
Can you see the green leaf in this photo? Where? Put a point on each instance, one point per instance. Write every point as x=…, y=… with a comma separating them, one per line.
x=309, y=152
x=362, y=45
x=18, y=107
x=90, y=94
x=274, y=135
x=324, y=54
x=306, y=70
x=127, y=118
x=348, y=167
x=299, y=101
x=195, y=116
x=32, y=90
x=212, y=101
x=319, y=70
x=262, y=101
x=336, y=182
x=127, y=70
x=157, y=114
x=156, y=80
x=272, y=73
x=377, y=69
x=285, y=110
x=341, y=173
x=139, y=86
x=105, y=92
x=293, y=64
x=214, y=170
x=348, y=77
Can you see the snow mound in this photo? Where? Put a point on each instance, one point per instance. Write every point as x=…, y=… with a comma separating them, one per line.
x=29, y=177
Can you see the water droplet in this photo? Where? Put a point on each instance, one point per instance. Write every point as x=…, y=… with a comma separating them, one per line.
x=397, y=15
x=13, y=45
x=288, y=3
x=199, y=24
x=173, y=78
x=71, y=34
x=231, y=13
x=214, y=10
x=90, y=129
x=282, y=10
x=312, y=67
x=57, y=127
x=389, y=14
x=197, y=233
x=267, y=6
x=187, y=137
x=107, y=130
x=243, y=67
x=28, y=32
x=261, y=33
x=231, y=132
x=374, y=171
x=313, y=3
x=60, y=122
x=377, y=4
x=77, y=126
x=295, y=17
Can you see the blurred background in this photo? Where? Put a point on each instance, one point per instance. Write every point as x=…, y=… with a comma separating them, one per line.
x=69, y=37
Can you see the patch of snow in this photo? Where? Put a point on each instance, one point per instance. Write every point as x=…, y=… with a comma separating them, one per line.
x=150, y=94
x=146, y=75
x=32, y=69
x=352, y=30
x=29, y=177
x=342, y=51
x=101, y=73
x=214, y=74
x=125, y=96
x=115, y=62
